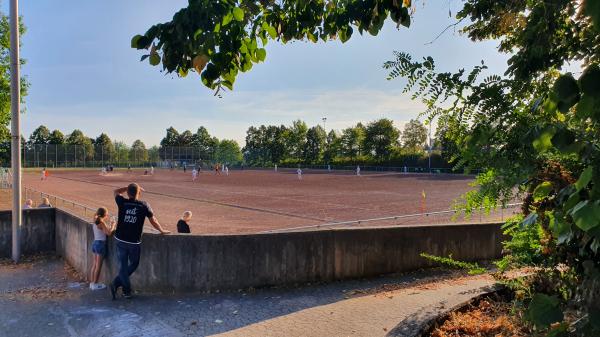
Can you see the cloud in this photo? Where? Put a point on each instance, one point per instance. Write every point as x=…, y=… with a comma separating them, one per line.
x=227, y=117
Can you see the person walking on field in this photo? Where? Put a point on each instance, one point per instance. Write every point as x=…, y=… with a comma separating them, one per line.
x=299, y=173
x=130, y=224
x=194, y=174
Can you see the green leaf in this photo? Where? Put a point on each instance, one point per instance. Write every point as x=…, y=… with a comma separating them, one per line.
x=584, y=178
x=585, y=107
x=261, y=54
x=571, y=202
x=227, y=19
x=405, y=20
x=238, y=14
x=586, y=215
x=590, y=80
x=135, y=40
x=592, y=9
x=272, y=32
x=154, y=59
x=529, y=220
x=560, y=228
x=544, y=310
x=567, y=91
x=182, y=72
x=542, y=190
x=564, y=140
x=544, y=142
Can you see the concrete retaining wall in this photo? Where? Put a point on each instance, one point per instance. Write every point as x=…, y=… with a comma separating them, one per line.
x=37, y=232
x=186, y=263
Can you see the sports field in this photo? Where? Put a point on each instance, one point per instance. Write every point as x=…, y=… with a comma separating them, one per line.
x=250, y=201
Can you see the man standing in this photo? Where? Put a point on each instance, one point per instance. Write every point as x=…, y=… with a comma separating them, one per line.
x=132, y=213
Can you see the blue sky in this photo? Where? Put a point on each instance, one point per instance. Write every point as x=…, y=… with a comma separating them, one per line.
x=84, y=74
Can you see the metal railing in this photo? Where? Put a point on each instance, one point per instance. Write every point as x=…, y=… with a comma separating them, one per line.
x=329, y=225
x=69, y=206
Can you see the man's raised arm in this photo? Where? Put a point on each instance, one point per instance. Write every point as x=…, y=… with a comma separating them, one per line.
x=157, y=225
x=120, y=191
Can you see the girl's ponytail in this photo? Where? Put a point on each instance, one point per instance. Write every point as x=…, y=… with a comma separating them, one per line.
x=100, y=213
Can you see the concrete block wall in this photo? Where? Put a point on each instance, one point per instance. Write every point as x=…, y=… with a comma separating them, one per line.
x=37, y=231
x=188, y=263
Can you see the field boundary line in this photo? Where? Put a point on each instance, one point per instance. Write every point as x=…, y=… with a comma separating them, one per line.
x=248, y=208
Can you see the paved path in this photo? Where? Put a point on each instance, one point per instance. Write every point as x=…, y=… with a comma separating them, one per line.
x=37, y=299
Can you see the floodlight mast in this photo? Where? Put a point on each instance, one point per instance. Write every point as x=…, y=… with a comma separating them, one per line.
x=15, y=97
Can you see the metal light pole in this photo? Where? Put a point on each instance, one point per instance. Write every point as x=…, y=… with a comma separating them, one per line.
x=324, y=120
x=429, y=146
x=15, y=128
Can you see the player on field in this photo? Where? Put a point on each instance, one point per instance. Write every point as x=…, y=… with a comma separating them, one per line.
x=299, y=173
x=226, y=168
x=44, y=173
x=152, y=169
x=357, y=170
x=194, y=174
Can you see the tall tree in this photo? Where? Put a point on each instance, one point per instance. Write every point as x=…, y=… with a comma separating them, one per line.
x=333, y=146
x=185, y=138
x=41, y=135
x=105, y=150
x=380, y=138
x=414, y=135
x=228, y=152
x=296, y=139
x=315, y=144
x=534, y=133
x=5, y=75
x=121, y=153
x=138, y=151
x=56, y=137
x=352, y=140
x=204, y=142
x=171, y=139
x=84, y=148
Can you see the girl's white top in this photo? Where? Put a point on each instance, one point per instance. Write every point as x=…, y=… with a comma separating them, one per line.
x=98, y=233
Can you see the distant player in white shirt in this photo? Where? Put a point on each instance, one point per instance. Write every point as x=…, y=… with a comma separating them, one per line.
x=44, y=174
x=299, y=172
x=357, y=170
x=194, y=174
x=226, y=168
x=152, y=169
x=275, y=167
x=103, y=171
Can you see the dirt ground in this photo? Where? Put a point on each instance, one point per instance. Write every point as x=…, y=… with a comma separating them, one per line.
x=250, y=201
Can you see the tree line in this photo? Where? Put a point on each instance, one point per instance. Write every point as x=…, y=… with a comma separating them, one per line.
x=376, y=143
x=204, y=146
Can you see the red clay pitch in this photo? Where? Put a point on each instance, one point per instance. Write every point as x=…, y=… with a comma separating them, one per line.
x=251, y=201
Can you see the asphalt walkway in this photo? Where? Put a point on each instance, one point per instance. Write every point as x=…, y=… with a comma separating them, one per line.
x=42, y=297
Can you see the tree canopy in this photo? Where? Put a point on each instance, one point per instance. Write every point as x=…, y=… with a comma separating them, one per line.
x=219, y=39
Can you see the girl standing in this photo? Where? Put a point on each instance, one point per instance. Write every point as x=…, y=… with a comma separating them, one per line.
x=102, y=227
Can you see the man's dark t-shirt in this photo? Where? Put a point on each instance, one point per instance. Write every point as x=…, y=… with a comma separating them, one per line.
x=182, y=227
x=132, y=214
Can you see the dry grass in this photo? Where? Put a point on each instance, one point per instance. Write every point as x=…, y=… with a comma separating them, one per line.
x=489, y=318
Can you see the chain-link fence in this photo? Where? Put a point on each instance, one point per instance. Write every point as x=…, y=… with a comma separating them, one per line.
x=66, y=155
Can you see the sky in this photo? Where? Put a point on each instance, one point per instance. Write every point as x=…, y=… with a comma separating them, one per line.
x=84, y=75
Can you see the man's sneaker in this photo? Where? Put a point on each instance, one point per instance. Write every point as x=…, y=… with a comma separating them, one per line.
x=92, y=286
x=113, y=291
